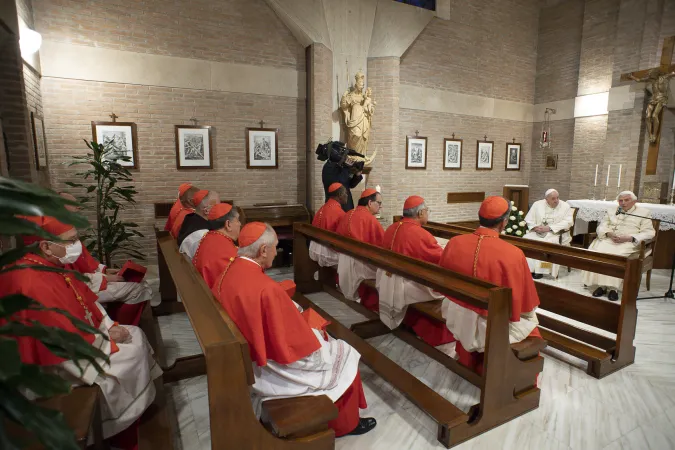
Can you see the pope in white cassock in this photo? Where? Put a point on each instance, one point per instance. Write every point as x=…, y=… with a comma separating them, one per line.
x=549, y=220
x=619, y=234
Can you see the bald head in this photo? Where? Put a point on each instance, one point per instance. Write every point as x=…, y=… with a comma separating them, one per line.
x=70, y=197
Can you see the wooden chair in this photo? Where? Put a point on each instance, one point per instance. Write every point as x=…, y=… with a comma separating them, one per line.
x=508, y=387
x=647, y=249
x=604, y=355
x=296, y=423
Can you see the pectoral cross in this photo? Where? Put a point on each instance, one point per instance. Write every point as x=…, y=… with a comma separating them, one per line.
x=659, y=78
x=88, y=315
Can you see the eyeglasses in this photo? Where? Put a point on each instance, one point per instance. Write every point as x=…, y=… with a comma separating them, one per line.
x=379, y=203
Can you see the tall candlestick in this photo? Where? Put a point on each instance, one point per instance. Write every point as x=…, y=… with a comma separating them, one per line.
x=595, y=182
x=618, y=182
x=609, y=169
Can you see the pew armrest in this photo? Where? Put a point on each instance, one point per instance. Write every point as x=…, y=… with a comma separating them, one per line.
x=528, y=348
x=298, y=416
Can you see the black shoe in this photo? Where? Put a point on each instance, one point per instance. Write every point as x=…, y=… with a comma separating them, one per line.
x=365, y=425
x=599, y=292
x=537, y=276
x=613, y=296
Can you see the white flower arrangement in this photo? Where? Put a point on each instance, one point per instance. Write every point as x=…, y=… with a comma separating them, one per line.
x=515, y=226
x=522, y=223
x=520, y=213
x=509, y=230
x=513, y=208
x=512, y=217
x=519, y=233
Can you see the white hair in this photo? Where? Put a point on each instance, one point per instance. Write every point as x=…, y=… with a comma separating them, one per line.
x=414, y=212
x=632, y=196
x=550, y=191
x=206, y=205
x=251, y=251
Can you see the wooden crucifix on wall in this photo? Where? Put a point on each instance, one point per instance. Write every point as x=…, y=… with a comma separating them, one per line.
x=659, y=78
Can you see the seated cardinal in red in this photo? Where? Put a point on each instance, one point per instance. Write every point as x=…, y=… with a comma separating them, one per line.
x=291, y=357
x=328, y=218
x=360, y=224
x=408, y=238
x=177, y=206
x=216, y=249
x=484, y=255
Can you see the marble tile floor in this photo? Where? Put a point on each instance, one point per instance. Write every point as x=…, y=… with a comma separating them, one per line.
x=630, y=410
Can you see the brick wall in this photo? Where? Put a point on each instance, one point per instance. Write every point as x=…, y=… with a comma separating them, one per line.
x=434, y=183
x=229, y=31
x=487, y=48
x=246, y=32
x=321, y=108
x=597, y=46
x=542, y=179
x=70, y=106
x=590, y=135
x=13, y=110
x=558, y=51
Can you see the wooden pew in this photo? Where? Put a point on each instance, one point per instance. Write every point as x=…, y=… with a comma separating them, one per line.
x=508, y=387
x=604, y=355
x=291, y=423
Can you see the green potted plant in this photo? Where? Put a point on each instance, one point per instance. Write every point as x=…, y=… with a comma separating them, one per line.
x=108, y=192
x=16, y=378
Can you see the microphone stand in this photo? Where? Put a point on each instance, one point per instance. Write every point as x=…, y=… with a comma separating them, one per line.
x=670, y=293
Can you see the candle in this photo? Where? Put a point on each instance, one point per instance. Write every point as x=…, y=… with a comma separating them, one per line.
x=609, y=169
x=618, y=182
x=673, y=180
x=595, y=183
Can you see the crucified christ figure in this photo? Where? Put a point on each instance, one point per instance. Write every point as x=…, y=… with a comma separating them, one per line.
x=659, y=98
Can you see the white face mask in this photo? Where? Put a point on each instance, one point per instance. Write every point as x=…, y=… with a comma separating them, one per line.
x=73, y=252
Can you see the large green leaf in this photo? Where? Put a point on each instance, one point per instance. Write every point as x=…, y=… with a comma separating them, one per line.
x=60, y=342
x=48, y=425
x=21, y=198
x=41, y=383
x=11, y=304
x=16, y=253
x=10, y=362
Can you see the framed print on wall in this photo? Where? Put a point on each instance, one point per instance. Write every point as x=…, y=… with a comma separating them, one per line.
x=39, y=141
x=484, y=155
x=262, y=148
x=513, y=156
x=121, y=137
x=416, y=152
x=452, y=154
x=193, y=147
x=551, y=162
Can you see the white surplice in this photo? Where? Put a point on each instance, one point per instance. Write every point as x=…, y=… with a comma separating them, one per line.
x=352, y=272
x=118, y=291
x=396, y=293
x=324, y=256
x=640, y=229
x=191, y=242
x=469, y=327
x=127, y=382
x=560, y=219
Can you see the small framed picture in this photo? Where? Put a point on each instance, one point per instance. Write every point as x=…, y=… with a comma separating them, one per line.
x=120, y=138
x=193, y=147
x=39, y=141
x=452, y=154
x=484, y=155
x=416, y=151
x=261, y=148
x=551, y=162
x=513, y=156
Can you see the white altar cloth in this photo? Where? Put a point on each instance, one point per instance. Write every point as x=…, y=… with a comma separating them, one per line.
x=594, y=211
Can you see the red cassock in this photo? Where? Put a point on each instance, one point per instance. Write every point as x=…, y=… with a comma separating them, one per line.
x=408, y=238
x=329, y=215
x=361, y=225
x=120, y=312
x=275, y=330
x=180, y=217
x=175, y=209
x=495, y=261
x=214, y=253
x=51, y=290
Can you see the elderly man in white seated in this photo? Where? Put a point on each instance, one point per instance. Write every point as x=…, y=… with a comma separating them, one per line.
x=549, y=220
x=619, y=234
